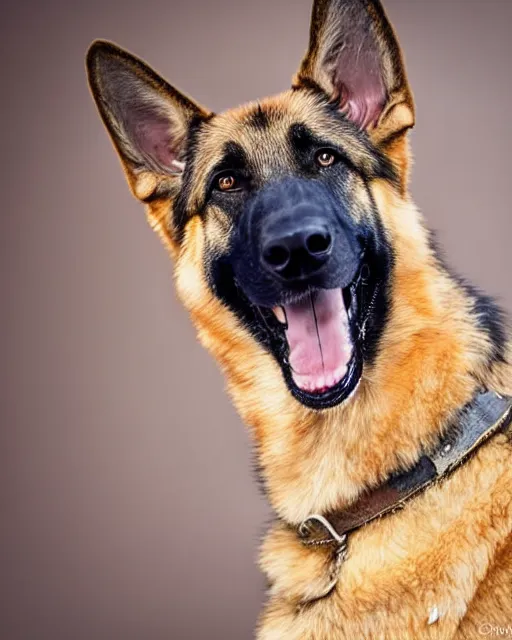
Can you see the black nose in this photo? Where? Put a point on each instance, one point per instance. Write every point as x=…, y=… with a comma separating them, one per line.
x=298, y=249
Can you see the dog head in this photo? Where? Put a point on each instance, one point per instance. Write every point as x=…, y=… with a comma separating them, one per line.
x=281, y=249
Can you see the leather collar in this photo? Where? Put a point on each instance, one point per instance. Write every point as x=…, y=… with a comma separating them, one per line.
x=486, y=415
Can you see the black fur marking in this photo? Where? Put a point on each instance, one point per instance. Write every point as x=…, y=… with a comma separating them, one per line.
x=380, y=259
x=383, y=167
x=307, y=84
x=258, y=471
x=304, y=144
x=233, y=158
x=258, y=119
x=491, y=318
x=180, y=212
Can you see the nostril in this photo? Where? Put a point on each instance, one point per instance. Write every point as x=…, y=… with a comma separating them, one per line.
x=318, y=243
x=296, y=250
x=276, y=256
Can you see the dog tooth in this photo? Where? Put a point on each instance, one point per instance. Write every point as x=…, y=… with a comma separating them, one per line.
x=280, y=314
x=340, y=373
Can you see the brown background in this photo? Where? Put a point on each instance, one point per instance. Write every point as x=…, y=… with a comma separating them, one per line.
x=129, y=510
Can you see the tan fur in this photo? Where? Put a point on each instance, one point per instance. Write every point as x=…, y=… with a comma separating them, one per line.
x=450, y=550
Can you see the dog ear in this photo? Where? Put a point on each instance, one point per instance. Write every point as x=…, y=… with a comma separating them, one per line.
x=147, y=119
x=355, y=58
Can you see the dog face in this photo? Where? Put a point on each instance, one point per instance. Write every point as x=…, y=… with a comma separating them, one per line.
x=282, y=251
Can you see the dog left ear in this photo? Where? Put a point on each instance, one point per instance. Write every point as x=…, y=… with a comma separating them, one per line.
x=354, y=57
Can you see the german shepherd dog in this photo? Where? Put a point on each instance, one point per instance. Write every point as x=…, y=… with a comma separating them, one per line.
x=350, y=350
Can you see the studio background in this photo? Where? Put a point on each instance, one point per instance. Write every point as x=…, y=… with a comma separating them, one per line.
x=126, y=474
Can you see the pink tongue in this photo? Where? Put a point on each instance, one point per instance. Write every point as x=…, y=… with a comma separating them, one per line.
x=319, y=340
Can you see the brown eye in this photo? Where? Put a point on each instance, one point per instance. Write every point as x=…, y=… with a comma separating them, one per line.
x=226, y=183
x=325, y=158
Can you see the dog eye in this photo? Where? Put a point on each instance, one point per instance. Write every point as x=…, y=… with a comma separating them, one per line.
x=325, y=158
x=227, y=182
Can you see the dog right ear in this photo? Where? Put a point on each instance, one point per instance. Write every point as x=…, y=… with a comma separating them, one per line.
x=148, y=120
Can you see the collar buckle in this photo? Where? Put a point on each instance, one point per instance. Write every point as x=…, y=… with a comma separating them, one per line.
x=316, y=530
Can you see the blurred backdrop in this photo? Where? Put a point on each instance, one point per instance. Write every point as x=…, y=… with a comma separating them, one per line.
x=125, y=471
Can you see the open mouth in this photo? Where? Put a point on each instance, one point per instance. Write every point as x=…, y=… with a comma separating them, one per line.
x=317, y=339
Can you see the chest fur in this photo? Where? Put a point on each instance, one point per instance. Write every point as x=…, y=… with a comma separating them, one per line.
x=412, y=574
